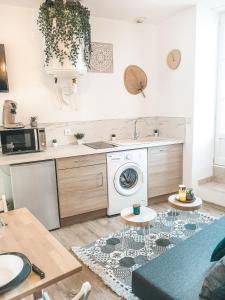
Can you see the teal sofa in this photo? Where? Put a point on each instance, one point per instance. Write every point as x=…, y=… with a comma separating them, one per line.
x=178, y=274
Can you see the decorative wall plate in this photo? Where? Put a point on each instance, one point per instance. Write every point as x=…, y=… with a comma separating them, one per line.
x=174, y=59
x=135, y=80
x=101, y=58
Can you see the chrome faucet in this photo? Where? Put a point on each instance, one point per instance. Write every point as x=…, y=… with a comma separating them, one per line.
x=136, y=135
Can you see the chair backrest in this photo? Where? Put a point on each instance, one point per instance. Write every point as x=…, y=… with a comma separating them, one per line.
x=3, y=204
x=84, y=292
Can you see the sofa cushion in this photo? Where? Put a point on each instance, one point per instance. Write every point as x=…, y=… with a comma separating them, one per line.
x=214, y=284
x=179, y=272
x=219, y=251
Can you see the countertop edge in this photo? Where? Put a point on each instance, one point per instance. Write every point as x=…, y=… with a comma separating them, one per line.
x=77, y=150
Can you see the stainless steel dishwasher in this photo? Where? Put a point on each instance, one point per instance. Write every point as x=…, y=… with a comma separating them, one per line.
x=34, y=187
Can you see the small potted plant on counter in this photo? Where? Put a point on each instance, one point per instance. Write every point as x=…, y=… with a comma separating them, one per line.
x=156, y=132
x=113, y=137
x=33, y=121
x=79, y=137
x=54, y=143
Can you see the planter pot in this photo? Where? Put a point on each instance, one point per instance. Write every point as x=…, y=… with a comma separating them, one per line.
x=55, y=145
x=156, y=134
x=33, y=124
x=80, y=142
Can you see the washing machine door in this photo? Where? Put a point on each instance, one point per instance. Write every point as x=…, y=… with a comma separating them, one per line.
x=128, y=179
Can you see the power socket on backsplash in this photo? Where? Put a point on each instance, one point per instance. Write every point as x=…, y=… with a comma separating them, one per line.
x=67, y=132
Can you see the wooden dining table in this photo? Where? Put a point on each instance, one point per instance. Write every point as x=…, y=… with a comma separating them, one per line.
x=26, y=235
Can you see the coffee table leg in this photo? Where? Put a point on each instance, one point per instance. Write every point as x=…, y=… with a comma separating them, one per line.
x=124, y=246
x=197, y=220
x=173, y=217
x=145, y=233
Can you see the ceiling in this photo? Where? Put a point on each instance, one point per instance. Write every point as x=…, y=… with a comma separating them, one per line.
x=154, y=11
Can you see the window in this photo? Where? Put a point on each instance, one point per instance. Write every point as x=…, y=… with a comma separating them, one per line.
x=220, y=115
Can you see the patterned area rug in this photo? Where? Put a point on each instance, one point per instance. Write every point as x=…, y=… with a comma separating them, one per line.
x=116, y=256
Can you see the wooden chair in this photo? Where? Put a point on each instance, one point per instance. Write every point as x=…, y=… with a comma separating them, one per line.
x=3, y=204
x=82, y=295
x=84, y=292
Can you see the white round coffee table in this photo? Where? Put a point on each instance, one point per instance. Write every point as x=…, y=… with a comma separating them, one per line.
x=187, y=209
x=142, y=222
x=184, y=206
x=146, y=217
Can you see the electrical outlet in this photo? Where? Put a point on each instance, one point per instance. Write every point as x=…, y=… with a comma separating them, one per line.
x=67, y=131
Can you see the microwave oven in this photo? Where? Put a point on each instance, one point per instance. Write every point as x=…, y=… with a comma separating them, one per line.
x=23, y=140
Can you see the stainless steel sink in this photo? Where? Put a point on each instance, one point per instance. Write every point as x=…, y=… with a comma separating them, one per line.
x=100, y=145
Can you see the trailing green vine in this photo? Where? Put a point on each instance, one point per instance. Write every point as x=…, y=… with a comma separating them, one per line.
x=66, y=29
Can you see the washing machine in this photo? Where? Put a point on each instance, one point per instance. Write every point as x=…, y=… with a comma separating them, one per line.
x=127, y=179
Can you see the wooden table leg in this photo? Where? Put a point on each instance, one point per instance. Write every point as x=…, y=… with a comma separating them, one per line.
x=37, y=295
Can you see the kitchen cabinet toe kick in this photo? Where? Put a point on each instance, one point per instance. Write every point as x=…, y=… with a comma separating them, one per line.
x=92, y=215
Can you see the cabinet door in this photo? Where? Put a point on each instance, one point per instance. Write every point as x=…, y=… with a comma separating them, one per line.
x=165, y=168
x=82, y=190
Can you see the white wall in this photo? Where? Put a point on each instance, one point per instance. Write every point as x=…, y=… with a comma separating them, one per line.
x=102, y=96
x=176, y=87
x=190, y=91
x=187, y=92
x=205, y=91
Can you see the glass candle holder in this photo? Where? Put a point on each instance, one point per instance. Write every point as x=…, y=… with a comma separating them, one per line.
x=182, y=192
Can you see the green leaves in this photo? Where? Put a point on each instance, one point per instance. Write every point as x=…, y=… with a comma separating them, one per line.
x=79, y=136
x=66, y=29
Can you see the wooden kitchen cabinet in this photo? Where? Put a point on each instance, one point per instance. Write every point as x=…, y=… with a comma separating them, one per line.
x=82, y=187
x=165, y=168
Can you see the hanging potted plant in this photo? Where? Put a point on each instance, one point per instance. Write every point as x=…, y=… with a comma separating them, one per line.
x=65, y=25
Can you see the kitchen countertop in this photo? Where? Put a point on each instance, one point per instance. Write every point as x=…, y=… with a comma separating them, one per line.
x=78, y=150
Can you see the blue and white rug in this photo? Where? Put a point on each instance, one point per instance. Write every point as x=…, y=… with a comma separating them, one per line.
x=114, y=262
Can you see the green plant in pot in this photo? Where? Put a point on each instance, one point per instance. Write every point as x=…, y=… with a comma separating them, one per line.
x=33, y=121
x=79, y=137
x=113, y=137
x=55, y=143
x=190, y=195
x=65, y=25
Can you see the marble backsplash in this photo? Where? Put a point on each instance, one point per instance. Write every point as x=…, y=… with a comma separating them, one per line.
x=102, y=130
